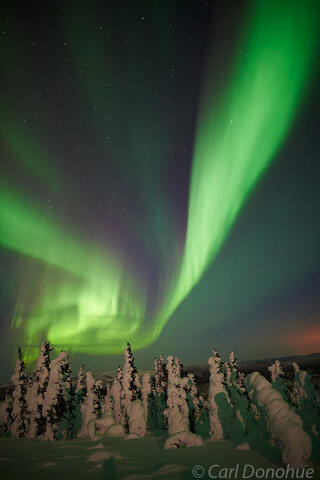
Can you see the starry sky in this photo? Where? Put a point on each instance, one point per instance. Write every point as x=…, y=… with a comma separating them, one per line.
x=159, y=179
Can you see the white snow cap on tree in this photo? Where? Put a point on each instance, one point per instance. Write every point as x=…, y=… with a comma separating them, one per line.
x=284, y=425
x=20, y=414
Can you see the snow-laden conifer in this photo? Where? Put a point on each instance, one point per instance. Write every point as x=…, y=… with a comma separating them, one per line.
x=193, y=401
x=115, y=392
x=177, y=411
x=130, y=379
x=158, y=398
x=146, y=392
x=278, y=380
x=306, y=400
x=220, y=413
x=137, y=419
x=36, y=393
x=6, y=418
x=107, y=403
x=160, y=376
x=81, y=388
x=55, y=405
x=283, y=424
x=90, y=408
x=237, y=394
x=20, y=415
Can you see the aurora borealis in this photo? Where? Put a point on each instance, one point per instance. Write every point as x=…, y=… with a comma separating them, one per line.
x=157, y=168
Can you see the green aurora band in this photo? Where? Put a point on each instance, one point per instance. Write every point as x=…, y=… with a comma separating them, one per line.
x=92, y=302
x=236, y=142
x=88, y=296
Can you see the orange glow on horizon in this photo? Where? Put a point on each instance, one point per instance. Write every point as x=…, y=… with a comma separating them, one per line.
x=306, y=340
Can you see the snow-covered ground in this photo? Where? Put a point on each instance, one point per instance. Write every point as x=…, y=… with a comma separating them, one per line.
x=134, y=428
x=113, y=458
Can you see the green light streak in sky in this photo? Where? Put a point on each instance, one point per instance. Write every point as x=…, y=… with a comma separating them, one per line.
x=93, y=306
x=29, y=153
x=235, y=143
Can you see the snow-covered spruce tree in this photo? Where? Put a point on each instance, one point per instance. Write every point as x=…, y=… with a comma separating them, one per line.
x=107, y=418
x=158, y=398
x=307, y=401
x=146, y=392
x=107, y=403
x=177, y=411
x=36, y=393
x=3, y=417
x=115, y=392
x=90, y=408
x=99, y=390
x=81, y=388
x=130, y=379
x=275, y=371
x=160, y=376
x=6, y=418
x=220, y=410
x=20, y=415
x=239, y=400
x=278, y=381
x=283, y=424
x=137, y=419
x=117, y=414
x=57, y=405
x=69, y=417
x=193, y=400
x=132, y=412
x=80, y=395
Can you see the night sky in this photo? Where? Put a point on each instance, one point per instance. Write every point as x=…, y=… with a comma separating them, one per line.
x=159, y=179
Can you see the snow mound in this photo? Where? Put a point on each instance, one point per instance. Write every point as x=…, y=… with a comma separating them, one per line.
x=163, y=472
x=103, y=423
x=243, y=446
x=47, y=464
x=183, y=439
x=96, y=446
x=102, y=456
x=132, y=436
x=116, y=430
